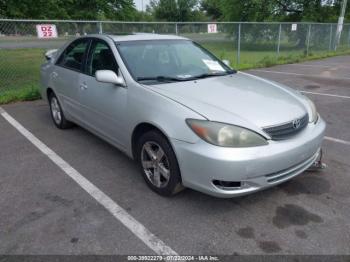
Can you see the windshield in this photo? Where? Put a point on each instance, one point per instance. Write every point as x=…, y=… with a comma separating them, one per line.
x=161, y=61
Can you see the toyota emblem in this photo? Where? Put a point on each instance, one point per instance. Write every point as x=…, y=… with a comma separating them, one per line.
x=296, y=123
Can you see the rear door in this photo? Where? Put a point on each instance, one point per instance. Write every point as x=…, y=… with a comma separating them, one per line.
x=66, y=75
x=104, y=104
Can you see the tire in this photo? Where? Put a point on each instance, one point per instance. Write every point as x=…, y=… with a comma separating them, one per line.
x=57, y=114
x=158, y=164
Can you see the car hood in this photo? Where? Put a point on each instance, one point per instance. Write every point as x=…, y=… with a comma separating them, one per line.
x=239, y=99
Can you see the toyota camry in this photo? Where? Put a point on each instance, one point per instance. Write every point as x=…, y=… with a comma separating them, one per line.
x=187, y=118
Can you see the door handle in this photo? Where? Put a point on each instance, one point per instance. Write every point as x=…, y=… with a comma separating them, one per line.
x=54, y=75
x=83, y=86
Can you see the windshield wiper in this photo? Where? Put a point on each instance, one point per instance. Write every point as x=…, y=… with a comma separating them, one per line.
x=178, y=79
x=161, y=79
x=205, y=75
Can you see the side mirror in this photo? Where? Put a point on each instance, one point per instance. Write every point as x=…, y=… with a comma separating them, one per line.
x=50, y=53
x=226, y=62
x=108, y=76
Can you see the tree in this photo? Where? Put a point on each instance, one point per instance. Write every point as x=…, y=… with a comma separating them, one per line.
x=273, y=10
x=299, y=10
x=39, y=9
x=173, y=10
x=236, y=10
x=185, y=9
x=164, y=10
x=212, y=8
x=248, y=10
x=177, y=10
x=68, y=9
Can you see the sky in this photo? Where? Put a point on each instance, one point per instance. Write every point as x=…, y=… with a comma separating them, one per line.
x=138, y=4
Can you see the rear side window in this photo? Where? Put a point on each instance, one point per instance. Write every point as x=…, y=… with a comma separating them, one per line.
x=73, y=56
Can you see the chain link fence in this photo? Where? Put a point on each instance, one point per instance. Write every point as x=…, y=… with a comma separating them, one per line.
x=243, y=44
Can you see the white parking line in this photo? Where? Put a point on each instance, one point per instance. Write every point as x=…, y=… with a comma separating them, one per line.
x=335, y=66
x=342, y=65
x=154, y=243
x=297, y=74
x=337, y=140
x=318, y=66
x=323, y=94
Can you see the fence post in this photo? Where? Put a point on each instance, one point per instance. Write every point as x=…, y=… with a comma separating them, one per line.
x=239, y=45
x=279, y=40
x=330, y=38
x=176, y=29
x=308, y=40
x=100, y=30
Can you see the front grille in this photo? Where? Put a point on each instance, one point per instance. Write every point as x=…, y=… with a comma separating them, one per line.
x=287, y=130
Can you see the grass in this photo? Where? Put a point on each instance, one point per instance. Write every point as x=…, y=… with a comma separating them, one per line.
x=254, y=59
x=19, y=68
x=22, y=94
x=19, y=74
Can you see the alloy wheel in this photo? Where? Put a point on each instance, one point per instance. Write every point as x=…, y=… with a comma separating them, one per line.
x=56, y=110
x=155, y=164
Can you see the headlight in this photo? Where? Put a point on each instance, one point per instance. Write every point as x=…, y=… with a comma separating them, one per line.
x=313, y=115
x=225, y=135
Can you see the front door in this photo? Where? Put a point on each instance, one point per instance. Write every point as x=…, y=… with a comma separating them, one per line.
x=104, y=104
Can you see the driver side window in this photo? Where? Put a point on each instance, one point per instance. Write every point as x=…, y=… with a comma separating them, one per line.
x=101, y=57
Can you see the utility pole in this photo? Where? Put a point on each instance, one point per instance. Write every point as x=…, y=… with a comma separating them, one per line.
x=340, y=24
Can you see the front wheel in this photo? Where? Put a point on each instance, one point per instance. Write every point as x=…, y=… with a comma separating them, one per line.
x=158, y=164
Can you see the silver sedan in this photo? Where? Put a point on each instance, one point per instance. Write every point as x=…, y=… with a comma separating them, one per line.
x=186, y=117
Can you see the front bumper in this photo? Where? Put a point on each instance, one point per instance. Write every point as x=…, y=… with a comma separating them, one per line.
x=255, y=168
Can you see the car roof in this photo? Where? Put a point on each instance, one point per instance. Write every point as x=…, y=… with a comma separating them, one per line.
x=141, y=37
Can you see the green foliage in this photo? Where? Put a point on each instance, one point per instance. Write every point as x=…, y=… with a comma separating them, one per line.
x=68, y=9
x=174, y=10
x=257, y=59
x=20, y=74
x=248, y=10
x=23, y=94
x=21, y=68
x=274, y=10
x=212, y=8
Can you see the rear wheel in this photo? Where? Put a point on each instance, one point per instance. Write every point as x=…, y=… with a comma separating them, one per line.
x=57, y=113
x=158, y=164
